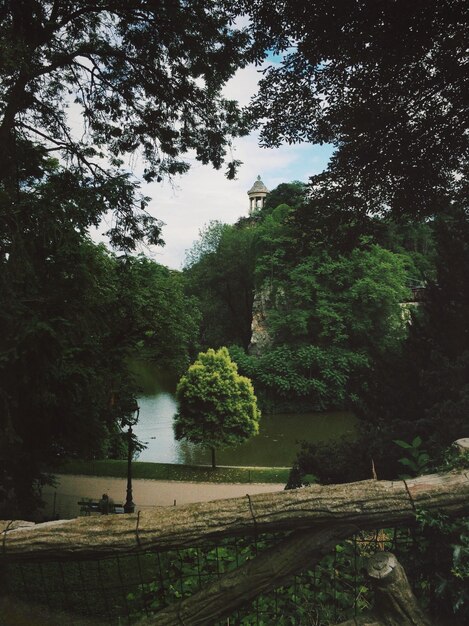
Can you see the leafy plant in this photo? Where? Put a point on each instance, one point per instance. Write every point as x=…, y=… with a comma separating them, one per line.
x=416, y=459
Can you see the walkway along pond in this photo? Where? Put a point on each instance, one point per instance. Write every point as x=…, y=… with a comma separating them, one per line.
x=276, y=444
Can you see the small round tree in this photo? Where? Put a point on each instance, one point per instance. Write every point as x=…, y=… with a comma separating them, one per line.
x=217, y=406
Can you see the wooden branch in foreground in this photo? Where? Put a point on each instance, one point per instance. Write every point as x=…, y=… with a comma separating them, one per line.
x=364, y=504
x=395, y=603
x=271, y=569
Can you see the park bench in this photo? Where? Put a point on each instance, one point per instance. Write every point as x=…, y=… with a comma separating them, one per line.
x=89, y=506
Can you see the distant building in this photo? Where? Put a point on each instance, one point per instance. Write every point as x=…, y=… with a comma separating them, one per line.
x=257, y=195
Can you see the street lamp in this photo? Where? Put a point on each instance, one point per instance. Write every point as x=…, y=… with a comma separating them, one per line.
x=130, y=420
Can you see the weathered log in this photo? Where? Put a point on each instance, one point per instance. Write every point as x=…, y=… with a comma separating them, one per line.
x=271, y=569
x=395, y=603
x=365, y=504
x=462, y=445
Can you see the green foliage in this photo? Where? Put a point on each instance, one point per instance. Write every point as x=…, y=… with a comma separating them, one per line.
x=348, y=77
x=454, y=459
x=172, y=59
x=422, y=388
x=338, y=461
x=416, y=459
x=333, y=591
x=58, y=367
x=293, y=194
x=277, y=246
x=217, y=406
x=220, y=274
x=350, y=301
x=154, y=314
x=445, y=541
x=413, y=239
x=310, y=376
x=328, y=318
x=209, y=240
x=71, y=315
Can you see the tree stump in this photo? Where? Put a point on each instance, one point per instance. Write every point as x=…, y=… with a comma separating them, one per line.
x=395, y=603
x=462, y=445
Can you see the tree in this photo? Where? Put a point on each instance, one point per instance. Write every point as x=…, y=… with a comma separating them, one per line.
x=72, y=314
x=349, y=301
x=220, y=273
x=384, y=82
x=145, y=77
x=153, y=315
x=328, y=318
x=293, y=194
x=422, y=390
x=217, y=406
x=59, y=364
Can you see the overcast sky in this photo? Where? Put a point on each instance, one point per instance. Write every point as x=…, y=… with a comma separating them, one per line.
x=204, y=194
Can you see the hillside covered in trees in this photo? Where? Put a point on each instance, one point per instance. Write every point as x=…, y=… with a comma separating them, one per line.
x=328, y=310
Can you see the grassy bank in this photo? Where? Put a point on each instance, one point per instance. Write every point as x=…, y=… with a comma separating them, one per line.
x=168, y=471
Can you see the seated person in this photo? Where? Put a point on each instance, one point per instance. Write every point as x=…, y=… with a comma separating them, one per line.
x=106, y=505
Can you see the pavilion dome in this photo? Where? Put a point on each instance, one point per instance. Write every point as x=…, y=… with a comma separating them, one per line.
x=258, y=187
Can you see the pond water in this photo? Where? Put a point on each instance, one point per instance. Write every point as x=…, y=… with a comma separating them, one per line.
x=275, y=445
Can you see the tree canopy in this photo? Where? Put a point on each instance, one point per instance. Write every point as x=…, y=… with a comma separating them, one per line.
x=219, y=272
x=145, y=77
x=217, y=406
x=384, y=82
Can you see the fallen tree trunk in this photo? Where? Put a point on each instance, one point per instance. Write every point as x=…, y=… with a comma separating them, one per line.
x=395, y=603
x=365, y=504
x=265, y=572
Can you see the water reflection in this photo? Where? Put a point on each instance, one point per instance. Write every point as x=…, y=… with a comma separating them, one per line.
x=276, y=444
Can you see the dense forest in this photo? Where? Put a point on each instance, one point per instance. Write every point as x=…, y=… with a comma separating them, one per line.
x=325, y=269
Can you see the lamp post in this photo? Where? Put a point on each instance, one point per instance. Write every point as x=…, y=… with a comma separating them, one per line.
x=130, y=420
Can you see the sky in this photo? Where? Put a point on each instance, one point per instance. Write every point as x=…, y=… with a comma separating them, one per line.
x=192, y=200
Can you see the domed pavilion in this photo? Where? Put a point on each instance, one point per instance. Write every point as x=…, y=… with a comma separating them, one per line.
x=257, y=195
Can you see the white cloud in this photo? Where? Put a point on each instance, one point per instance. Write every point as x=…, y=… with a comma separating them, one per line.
x=204, y=194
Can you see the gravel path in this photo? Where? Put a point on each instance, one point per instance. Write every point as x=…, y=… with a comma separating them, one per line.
x=70, y=489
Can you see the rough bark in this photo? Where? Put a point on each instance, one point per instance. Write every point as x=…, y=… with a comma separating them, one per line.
x=365, y=504
x=395, y=603
x=264, y=573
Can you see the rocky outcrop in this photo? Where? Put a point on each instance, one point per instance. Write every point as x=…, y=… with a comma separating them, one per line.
x=260, y=338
